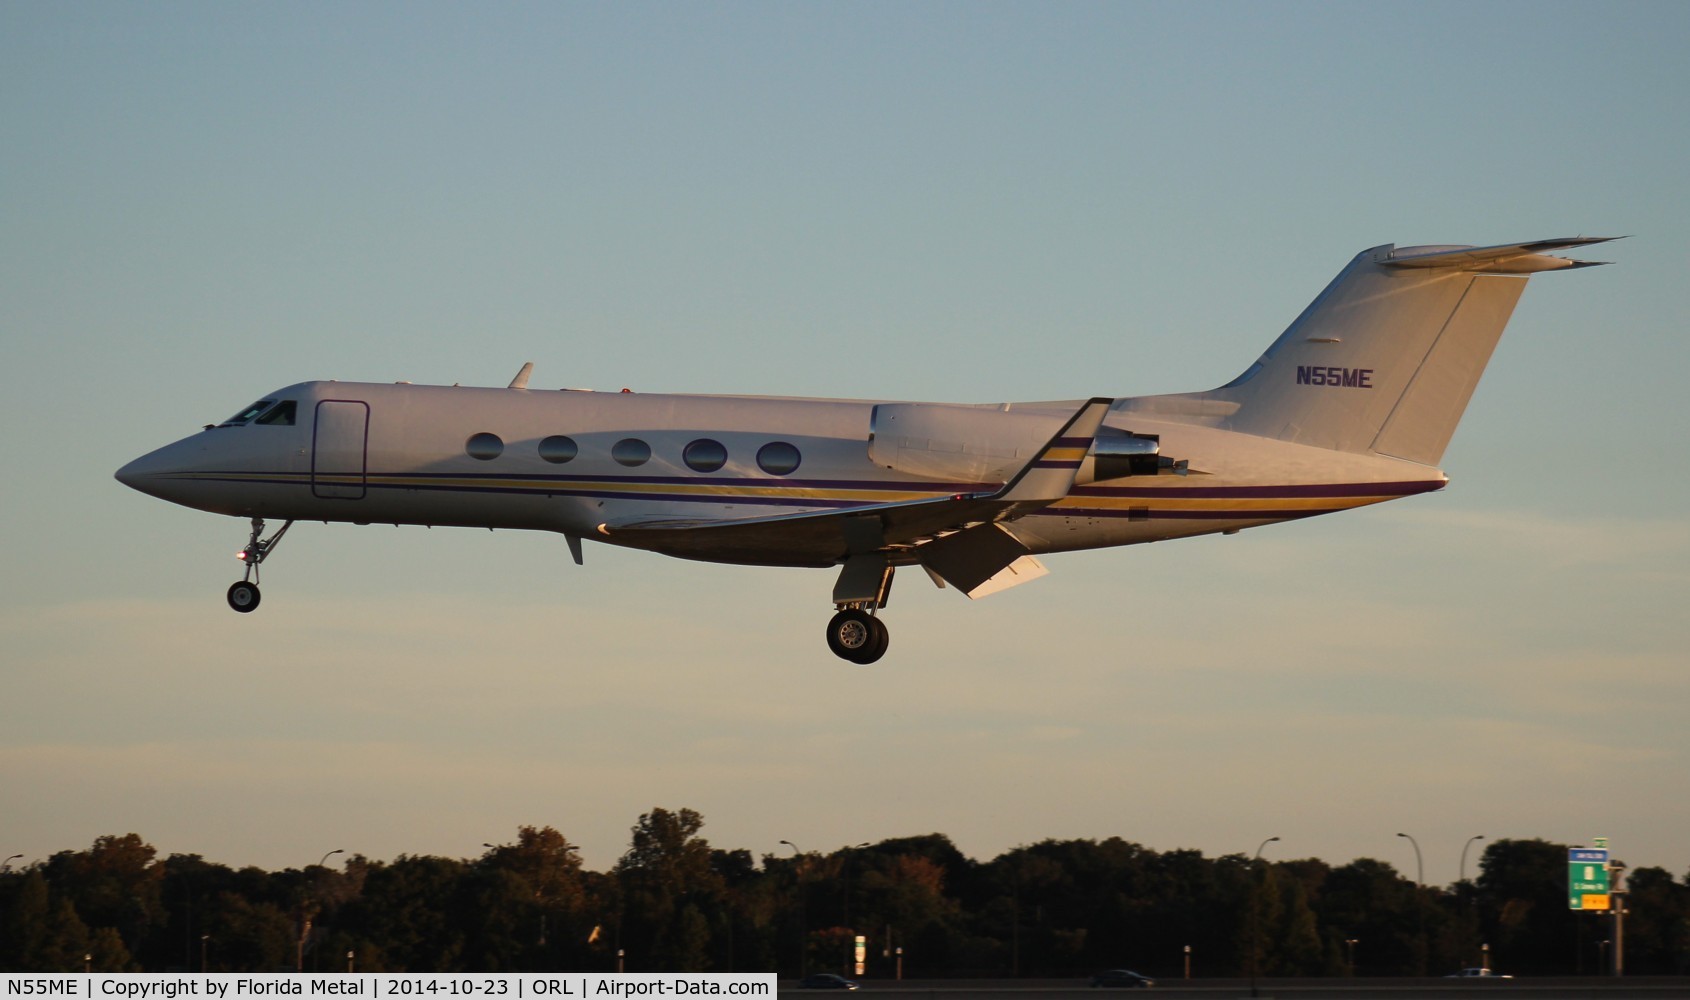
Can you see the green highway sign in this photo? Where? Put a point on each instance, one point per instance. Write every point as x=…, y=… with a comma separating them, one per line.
x=1587, y=878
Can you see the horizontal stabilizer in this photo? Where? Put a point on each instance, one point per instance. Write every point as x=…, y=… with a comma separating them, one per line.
x=1512, y=258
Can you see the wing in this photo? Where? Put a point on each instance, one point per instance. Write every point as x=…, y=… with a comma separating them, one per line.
x=825, y=538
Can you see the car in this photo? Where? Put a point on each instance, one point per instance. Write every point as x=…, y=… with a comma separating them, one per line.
x=1477, y=974
x=1122, y=977
x=826, y=981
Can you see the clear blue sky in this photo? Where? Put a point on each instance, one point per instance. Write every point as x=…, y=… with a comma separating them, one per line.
x=200, y=202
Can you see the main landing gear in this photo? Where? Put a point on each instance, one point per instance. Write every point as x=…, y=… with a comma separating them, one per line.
x=243, y=596
x=855, y=633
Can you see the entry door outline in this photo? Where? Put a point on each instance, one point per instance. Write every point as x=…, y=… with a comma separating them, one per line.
x=340, y=449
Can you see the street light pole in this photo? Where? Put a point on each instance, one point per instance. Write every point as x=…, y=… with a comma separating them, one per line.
x=1472, y=903
x=798, y=887
x=1619, y=894
x=1419, y=904
x=1464, y=854
x=1255, y=917
x=6, y=866
x=1419, y=866
x=305, y=918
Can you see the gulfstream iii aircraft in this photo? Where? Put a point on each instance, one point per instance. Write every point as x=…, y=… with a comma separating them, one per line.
x=1352, y=405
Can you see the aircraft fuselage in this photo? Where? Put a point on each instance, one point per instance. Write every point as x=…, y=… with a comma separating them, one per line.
x=569, y=461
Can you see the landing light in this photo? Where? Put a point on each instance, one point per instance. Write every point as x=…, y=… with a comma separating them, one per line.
x=241, y=555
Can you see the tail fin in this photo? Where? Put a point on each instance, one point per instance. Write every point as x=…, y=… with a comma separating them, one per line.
x=1385, y=360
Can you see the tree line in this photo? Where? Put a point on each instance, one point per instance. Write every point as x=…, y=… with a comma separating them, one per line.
x=673, y=902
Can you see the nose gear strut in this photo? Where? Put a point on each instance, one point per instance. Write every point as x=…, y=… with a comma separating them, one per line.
x=243, y=596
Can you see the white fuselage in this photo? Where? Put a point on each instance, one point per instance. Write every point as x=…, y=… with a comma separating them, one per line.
x=550, y=460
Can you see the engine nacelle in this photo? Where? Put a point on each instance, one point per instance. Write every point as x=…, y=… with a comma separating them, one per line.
x=1117, y=455
x=957, y=443
x=989, y=444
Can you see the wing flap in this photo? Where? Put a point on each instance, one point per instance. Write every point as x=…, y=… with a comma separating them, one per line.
x=981, y=560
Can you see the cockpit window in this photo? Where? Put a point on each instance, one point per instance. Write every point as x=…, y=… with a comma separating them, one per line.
x=247, y=414
x=280, y=415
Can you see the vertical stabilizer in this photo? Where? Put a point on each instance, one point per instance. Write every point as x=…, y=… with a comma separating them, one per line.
x=1385, y=360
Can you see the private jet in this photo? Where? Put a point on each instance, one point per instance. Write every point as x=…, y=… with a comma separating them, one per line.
x=1352, y=405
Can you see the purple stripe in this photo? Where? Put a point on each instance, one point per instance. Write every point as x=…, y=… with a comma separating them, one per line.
x=808, y=502
x=270, y=477
x=705, y=480
x=564, y=491
x=1406, y=488
x=1263, y=492
x=1151, y=514
x=559, y=485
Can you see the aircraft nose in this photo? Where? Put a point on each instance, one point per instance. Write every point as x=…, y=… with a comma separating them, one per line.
x=142, y=473
x=160, y=472
x=193, y=472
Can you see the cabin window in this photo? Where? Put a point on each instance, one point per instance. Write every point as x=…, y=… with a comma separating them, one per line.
x=778, y=458
x=631, y=452
x=241, y=418
x=484, y=446
x=558, y=449
x=705, y=455
x=280, y=415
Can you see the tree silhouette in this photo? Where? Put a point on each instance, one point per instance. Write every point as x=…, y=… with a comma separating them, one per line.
x=674, y=903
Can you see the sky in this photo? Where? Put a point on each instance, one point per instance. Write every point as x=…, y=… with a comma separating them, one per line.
x=972, y=202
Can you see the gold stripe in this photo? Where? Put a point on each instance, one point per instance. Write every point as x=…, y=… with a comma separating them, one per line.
x=728, y=492
x=682, y=489
x=700, y=489
x=1241, y=504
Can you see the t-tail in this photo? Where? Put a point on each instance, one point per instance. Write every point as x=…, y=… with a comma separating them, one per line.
x=1386, y=358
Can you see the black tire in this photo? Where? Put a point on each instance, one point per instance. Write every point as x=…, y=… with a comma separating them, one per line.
x=877, y=648
x=849, y=633
x=857, y=636
x=243, y=596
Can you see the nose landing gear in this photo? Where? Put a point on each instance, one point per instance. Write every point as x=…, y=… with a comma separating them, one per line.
x=243, y=595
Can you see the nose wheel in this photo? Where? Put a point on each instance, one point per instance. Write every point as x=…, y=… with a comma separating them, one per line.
x=243, y=595
x=858, y=636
